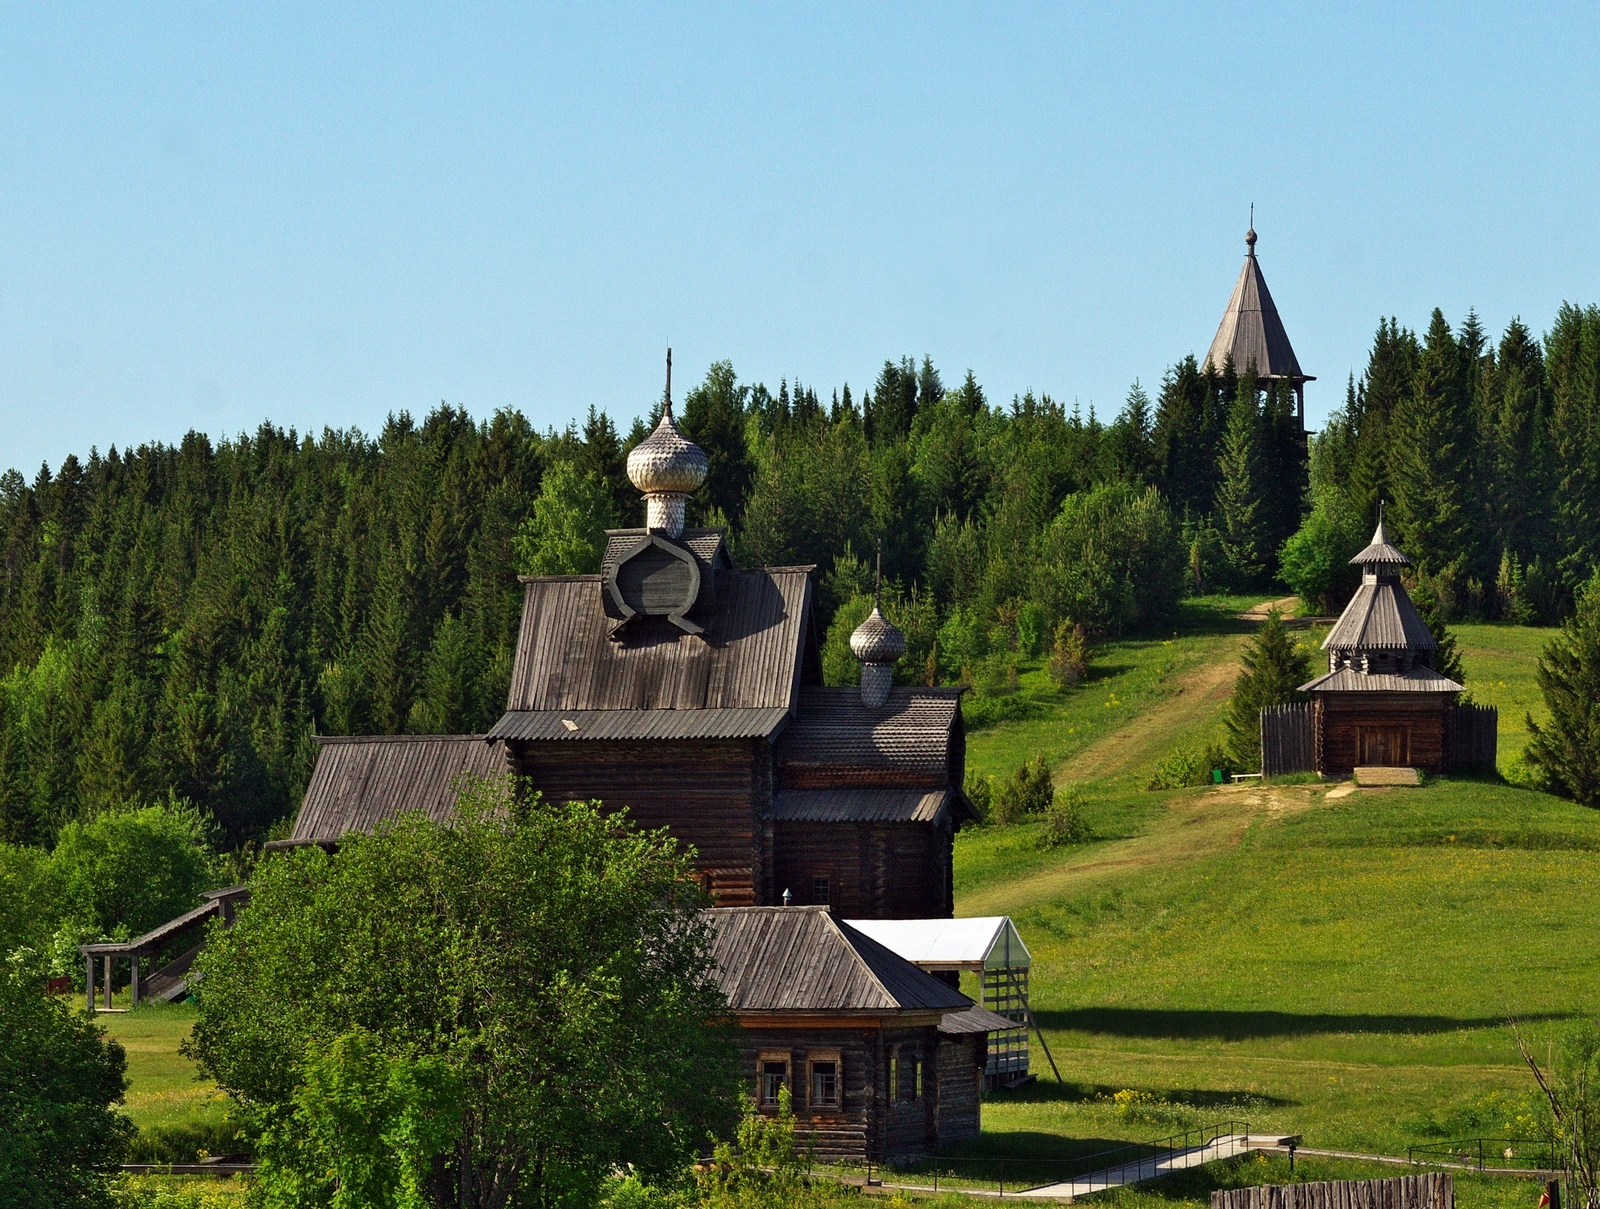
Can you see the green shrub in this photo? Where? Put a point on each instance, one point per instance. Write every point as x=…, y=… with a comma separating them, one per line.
x=1191, y=766
x=24, y=900
x=1274, y=668
x=1063, y=820
x=1027, y=791
x=1069, y=657
x=60, y=1079
x=132, y=868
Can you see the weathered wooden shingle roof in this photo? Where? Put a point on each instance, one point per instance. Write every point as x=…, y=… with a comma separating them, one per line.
x=1251, y=329
x=1349, y=680
x=1381, y=552
x=639, y=724
x=748, y=659
x=358, y=783
x=708, y=545
x=1380, y=616
x=974, y=1020
x=912, y=739
x=802, y=960
x=867, y=805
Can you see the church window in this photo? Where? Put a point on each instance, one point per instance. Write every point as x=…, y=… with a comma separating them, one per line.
x=821, y=888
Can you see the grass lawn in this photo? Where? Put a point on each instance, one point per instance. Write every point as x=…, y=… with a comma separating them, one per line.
x=164, y=1087
x=1500, y=663
x=1337, y=968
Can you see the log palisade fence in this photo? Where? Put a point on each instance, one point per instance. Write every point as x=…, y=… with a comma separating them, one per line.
x=1474, y=735
x=1288, y=740
x=1432, y=1191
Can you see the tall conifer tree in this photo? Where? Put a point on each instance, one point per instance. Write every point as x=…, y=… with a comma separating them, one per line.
x=1239, y=514
x=1430, y=456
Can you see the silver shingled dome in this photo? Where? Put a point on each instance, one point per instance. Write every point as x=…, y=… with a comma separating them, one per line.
x=667, y=461
x=876, y=640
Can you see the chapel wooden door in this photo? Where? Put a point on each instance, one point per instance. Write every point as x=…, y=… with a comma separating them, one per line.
x=1385, y=746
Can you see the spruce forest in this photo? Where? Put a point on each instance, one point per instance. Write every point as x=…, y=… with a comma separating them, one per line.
x=178, y=622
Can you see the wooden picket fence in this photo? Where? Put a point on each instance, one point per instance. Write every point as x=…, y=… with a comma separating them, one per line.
x=1474, y=736
x=1432, y=1191
x=1288, y=740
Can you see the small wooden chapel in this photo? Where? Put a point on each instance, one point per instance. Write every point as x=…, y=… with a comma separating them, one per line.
x=1381, y=703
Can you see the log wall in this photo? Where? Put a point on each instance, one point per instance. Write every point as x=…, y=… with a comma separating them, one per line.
x=1340, y=717
x=711, y=794
x=1435, y=1190
x=961, y=1061
x=875, y=870
x=870, y=1123
x=1474, y=736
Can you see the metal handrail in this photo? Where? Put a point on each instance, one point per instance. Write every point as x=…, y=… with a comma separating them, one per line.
x=1132, y=1155
x=1470, y=1152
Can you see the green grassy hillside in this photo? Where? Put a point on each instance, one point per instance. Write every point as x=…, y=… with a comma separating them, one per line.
x=1318, y=959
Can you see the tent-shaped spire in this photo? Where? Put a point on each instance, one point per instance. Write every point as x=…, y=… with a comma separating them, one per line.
x=1381, y=551
x=1251, y=330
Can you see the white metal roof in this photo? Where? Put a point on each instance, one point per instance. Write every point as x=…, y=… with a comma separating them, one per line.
x=988, y=942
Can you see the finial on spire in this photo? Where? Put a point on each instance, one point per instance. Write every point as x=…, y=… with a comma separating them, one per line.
x=1250, y=235
x=669, y=381
x=877, y=586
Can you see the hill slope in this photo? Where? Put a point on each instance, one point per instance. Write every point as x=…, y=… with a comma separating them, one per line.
x=1335, y=962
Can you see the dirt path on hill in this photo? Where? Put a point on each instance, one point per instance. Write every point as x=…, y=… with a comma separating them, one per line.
x=1148, y=735
x=1193, y=827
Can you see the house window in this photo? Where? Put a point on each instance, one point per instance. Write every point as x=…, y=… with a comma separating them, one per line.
x=773, y=1078
x=905, y=1077
x=825, y=1080
x=820, y=891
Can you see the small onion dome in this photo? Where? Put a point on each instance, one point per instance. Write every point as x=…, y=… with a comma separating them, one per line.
x=667, y=461
x=876, y=640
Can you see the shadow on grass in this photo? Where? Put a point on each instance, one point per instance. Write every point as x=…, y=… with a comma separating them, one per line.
x=1222, y=1102
x=1244, y=1026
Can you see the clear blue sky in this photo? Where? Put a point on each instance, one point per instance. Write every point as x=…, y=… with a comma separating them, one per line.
x=212, y=215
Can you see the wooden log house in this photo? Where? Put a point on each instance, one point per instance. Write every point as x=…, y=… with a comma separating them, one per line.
x=883, y=1061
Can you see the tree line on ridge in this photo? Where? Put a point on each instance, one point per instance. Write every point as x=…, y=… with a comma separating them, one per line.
x=178, y=621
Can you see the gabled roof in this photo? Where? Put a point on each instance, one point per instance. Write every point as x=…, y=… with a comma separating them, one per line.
x=904, y=742
x=358, y=783
x=1381, y=551
x=748, y=658
x=982, y=942
x=1349, y=680
x=1380, y=616
x=802, y=960
x=1251, y=329
x=868, y=805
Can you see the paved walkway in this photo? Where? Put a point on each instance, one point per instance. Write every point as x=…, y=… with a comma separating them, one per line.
x=1153, y=1167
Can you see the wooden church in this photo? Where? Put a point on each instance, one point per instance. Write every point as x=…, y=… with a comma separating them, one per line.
x=689, y=691
x=1381, y=703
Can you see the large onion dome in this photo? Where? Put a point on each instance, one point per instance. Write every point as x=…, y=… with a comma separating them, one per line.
x=667, y=462
x=877, y=639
